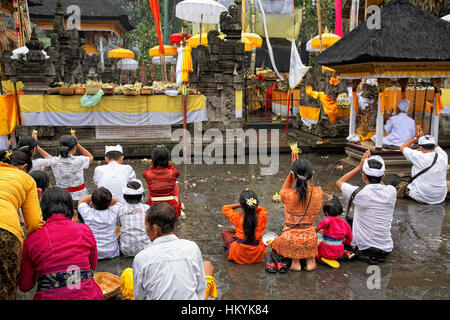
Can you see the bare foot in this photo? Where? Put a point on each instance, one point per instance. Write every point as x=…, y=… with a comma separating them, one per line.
x=182, y=206
x=310, y=264
x=296, y=266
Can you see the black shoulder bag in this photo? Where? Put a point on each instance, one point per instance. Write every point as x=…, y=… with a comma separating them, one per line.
x=350, y=202
x=401, y=187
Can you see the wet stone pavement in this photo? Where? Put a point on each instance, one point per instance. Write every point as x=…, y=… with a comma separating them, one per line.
x=418, y=267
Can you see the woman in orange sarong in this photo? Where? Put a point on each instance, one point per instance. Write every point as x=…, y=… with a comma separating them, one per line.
x=301, y=205
x=243, y=244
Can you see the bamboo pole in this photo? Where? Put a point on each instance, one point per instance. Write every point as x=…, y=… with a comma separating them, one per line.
x=319, y=21
x=365, y=10
x=16, y=96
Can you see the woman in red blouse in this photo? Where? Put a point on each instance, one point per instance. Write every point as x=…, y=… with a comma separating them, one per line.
x=161, y=179
x=61, y=256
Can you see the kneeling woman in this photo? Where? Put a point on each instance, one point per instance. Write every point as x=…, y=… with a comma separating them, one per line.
x=244, y=244
x=49, y=255
x=301, y=206
x=161, y=180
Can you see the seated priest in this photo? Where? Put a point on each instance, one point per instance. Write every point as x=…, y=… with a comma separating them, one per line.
x=400, y=128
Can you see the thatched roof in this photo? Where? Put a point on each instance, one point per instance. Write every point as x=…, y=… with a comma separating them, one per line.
x=407, y=34
x=90, y=10
x=32, y=3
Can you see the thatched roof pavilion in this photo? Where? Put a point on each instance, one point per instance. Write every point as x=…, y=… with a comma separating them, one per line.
x=411, y=43
x=96, y=15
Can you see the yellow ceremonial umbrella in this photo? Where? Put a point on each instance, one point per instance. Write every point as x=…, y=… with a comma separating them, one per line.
x=120, y=53
x=194, y=41
x=90, y=49
x=328, y=39
x=168, y=51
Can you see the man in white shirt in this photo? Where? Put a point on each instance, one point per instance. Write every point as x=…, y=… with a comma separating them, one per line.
x=114, y=175
x=400, y=128
x=431, y=186
x=169, y=268
x=373, y=212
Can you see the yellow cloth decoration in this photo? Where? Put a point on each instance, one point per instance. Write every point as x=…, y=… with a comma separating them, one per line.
x=9, y=85
x=381, y=100
x=311, y=93
x=126, y=284
x=355, y=101
x=127, y=290
x=187, y=64
x=238, y=99
x=365, y=137
x=211, y=288
x=439, y=105
x=428, y=106
x=329, y=105
x=310, y=113
x=9, y=117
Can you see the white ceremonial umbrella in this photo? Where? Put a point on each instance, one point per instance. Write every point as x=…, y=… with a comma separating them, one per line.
x=24, y=50
x=169, y=60
x=127, y=64
x=201, y=11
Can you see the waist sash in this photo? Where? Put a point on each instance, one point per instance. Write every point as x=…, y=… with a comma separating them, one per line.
x=254, y=243
x=62, y=279
x=75, y=189
x=167, y=198
x=330, y=240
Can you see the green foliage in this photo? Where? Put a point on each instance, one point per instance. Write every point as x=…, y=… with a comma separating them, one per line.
x=144, y=37
x=310, y=26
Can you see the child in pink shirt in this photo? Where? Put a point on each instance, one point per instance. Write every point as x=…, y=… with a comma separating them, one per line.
x=336, y=232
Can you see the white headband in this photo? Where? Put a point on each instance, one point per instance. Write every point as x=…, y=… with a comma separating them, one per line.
x=424, y=140
x=133, y=192
x=372, y=171
x=113, y=148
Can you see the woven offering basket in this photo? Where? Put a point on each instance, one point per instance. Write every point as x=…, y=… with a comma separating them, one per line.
x=67, y=91
x=92, y=89
x=52, y=90
x=80, y=91
x=129, y=92
x=109, y=283
x=108, y=91
x=146, y=91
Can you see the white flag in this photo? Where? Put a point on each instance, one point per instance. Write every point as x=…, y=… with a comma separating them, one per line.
x=296, y=69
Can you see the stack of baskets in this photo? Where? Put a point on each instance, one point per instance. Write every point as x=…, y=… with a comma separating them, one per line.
x=80, y=90
x=67, y=91
x=108, y=91
x=146, y=91
x=109, y=283
x=130, y=92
